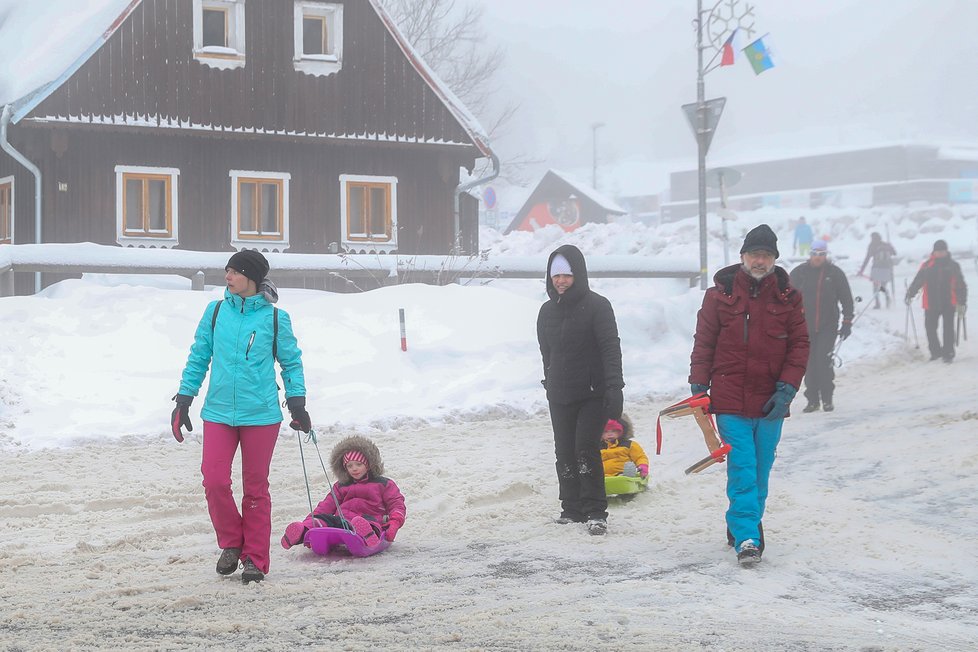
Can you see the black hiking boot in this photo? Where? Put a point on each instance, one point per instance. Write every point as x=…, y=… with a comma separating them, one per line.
x=597, y=527
x=760, y=529
x=811, y=407
x=228, y=562
x=251, y=572
x=567, y=519
x=827, y=406
x=749, y=554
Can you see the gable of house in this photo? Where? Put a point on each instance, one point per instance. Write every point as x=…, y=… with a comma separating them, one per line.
x=149, y=73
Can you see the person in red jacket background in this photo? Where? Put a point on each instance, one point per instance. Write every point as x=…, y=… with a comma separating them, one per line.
x=945, y=294
x=750, y=351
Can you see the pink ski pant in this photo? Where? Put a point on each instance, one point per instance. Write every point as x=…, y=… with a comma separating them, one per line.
x=251, y=528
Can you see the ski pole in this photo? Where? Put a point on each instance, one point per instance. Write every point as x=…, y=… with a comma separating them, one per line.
x=913, y=327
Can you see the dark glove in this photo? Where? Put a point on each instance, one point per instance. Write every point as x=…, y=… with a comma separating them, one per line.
x=614, y=402
x=696, y=388
x=181, y=415
x=961, y=308
x=777, y=406
x=908, y=299
x=300, y=418
x=846, y=329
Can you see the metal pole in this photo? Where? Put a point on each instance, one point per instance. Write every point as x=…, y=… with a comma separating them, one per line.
x=701, y=141
x=723, y=219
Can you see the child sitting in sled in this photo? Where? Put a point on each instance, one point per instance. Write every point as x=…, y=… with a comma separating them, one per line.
x=618, y=449
x=371, y=505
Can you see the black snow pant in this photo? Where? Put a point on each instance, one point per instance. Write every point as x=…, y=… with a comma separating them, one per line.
x=931, y=317
x=820, y=373
x=577, y=443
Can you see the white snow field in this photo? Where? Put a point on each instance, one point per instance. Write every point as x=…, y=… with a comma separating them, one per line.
x=105, y=541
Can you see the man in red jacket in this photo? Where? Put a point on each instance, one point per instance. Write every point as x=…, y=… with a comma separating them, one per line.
x=750, y=351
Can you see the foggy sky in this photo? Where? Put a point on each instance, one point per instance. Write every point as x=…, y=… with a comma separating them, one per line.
x=849, y=72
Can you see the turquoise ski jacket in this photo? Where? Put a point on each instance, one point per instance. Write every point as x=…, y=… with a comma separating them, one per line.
x=242, y=390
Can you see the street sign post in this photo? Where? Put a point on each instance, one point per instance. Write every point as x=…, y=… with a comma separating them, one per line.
x=712, y=109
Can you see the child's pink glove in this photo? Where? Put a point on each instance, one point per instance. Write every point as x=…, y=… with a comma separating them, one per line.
x=643, y=470
x=392, y=528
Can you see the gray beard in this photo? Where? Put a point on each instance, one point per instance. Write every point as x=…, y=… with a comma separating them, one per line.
x=754, y=276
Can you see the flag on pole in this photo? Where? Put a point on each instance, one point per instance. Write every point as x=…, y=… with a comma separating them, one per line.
x=759, y=55
x=728, y=54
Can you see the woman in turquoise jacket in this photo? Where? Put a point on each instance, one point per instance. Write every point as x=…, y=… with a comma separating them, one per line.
x=240, y=337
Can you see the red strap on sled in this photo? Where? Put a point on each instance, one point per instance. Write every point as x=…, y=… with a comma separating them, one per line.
x=696, y=400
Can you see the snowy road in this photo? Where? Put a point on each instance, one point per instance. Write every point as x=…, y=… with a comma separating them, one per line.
x=871, y=531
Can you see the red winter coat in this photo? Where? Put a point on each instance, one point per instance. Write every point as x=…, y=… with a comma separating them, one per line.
x=749, y=336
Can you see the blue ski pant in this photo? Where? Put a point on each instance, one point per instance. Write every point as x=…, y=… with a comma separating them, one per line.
x=754, y=443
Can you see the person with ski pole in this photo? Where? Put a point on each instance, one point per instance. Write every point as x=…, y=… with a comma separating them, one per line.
x=582, y=375
x=750, y=350
x=945, y=295
x=824, y=288
x=240, y=337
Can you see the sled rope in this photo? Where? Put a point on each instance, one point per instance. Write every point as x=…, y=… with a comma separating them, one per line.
x=312, y=437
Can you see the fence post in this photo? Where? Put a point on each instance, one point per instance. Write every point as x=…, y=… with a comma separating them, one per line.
x=7, y=283
x=197, y=281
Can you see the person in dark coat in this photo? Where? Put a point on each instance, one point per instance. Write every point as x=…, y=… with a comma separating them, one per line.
x=945, y=293
x=749, y=352
x=582, y=374
x=824, y=288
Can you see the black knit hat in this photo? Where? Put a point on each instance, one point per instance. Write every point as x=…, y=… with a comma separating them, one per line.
x=761, y=238
x=251, y=263
x=940, y=245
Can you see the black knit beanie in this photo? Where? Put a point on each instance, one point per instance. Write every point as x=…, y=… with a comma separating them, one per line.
x=251, y=263
x=940, y=245
x=761, y=238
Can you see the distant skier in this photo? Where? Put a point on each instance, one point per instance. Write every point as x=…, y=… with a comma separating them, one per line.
x=803, y=237
x=749, y=352
x=945, y=293
x=881, y=271
x=824, y=288
x=581, y=352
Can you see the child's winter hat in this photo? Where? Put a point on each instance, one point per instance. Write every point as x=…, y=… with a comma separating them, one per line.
x=358, y=448
x=560, y=265
x=355, y=456
x=614, y=425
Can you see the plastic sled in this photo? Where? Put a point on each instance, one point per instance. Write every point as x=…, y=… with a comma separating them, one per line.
x=322, y=540
x=617, y=485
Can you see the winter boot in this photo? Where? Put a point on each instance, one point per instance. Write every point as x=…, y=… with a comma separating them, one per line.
x=749, y=554
x=295, y=533
x=228, y=562
x=251, y=572
x=566, y=519
x=828, y=406
x=597, y=526
x=365, y=530
x=760, y=528
x=811, y=407
x=629, y=470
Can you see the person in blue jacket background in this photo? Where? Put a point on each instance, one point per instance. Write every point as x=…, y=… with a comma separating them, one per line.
x=240, y=337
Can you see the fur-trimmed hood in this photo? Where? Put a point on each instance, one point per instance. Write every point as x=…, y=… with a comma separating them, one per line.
x=357, y=443
x=629, y=429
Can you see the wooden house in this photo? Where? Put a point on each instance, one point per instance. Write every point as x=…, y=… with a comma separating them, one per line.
x=214, y=125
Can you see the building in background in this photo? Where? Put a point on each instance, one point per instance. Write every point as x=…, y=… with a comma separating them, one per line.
x=560, y=199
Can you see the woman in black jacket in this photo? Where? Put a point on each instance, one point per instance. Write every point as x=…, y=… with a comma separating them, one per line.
x=582, y=375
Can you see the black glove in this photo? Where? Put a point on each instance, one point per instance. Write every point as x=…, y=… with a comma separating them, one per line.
x=614, y=402
x=908, y=299
x=300, y=418
x=777, y=406
x=846, y=329
x=696, y=388
x=181, y=415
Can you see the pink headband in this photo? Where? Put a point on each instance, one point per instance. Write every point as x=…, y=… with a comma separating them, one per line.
x=355, y=456
x=614, y=425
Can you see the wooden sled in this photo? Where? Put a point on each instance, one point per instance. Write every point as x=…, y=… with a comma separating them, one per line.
x=698, y=405
x=324, y=540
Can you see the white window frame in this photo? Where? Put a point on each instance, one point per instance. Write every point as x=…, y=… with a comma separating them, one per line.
x=232, y=56
x=120, y=217
x=259, y=243
x=4, y=181
x=318, y=64
x=367, y=246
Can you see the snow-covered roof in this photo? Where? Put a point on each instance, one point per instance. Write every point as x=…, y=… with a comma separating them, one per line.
x=41, y=49
x=588, y=191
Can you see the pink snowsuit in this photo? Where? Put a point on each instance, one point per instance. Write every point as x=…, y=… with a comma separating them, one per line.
x=373, y=498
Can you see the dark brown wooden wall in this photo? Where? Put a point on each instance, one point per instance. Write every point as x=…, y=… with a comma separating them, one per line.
x=86, y=211
x=147, y=68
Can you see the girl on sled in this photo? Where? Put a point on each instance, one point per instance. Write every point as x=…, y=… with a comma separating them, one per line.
x=617, y=449
x=371, y=504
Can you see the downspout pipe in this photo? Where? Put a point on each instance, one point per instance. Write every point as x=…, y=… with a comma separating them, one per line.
x=468, y=185
x=36, y=171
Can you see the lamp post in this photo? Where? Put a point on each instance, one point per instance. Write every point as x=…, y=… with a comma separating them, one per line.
x=594, y=153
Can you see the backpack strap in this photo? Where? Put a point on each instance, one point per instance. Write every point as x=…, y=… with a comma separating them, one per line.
x=217, y=309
